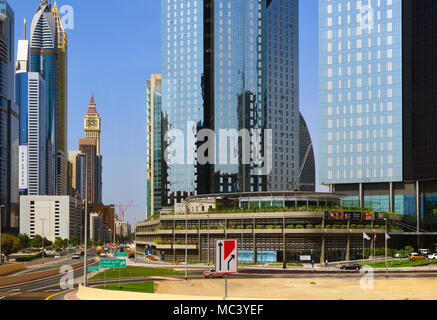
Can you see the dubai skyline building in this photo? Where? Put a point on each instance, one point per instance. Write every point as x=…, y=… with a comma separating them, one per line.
x=44, y=60
x=9, y=122
x=230, y=66
x=377, y=106
x=90, y=147
x=62, y=108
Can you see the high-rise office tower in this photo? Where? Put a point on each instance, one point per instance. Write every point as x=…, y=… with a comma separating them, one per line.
x=62, y=110
x=230, y=66
x=282, y=71
x=43, y=59
x=9, y=122
x=156, y=165
x=31, y=99
x=90, y=146
x=77, y=160
x=377, y=105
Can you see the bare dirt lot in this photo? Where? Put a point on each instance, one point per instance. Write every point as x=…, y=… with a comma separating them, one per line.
x=307, y=289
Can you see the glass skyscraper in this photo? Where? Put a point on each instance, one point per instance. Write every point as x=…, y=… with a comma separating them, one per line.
x=229, y=66
x=9, y=122
x=377, y=105
x=43, y=59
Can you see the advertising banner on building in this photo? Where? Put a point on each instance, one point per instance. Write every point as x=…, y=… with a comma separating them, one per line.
x=23, y=169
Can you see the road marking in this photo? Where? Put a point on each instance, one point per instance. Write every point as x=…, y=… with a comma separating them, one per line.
x=53, y=290
x=14, y=290
x=57, y=294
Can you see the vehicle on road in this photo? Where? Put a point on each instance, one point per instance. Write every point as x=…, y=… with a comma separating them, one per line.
x=352, y=266
x=57, y=256
x=433, y=256
x=132, y=256
x=212, y=274
x=424, y=252
x=103, y=255
x=415, y=256
x=76, y=256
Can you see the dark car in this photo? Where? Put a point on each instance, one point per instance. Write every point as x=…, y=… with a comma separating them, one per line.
x=352, y=266
x=132, y=256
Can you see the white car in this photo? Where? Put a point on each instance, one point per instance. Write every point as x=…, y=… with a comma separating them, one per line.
x=103, y=255
x=433, y=256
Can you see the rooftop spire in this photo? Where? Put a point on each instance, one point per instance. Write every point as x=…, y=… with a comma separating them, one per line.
x=92, y=107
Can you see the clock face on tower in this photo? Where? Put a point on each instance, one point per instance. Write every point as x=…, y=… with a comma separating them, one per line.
x=91, y=123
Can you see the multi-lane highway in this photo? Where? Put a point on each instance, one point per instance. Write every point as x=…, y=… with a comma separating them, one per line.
x=47, y=287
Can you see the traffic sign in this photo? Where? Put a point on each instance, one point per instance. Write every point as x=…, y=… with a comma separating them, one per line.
x=120, y=254
x=226, y=256
x=92, y=269
x=113, y=264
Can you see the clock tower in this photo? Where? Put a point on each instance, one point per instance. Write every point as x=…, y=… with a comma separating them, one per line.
x=92, y=124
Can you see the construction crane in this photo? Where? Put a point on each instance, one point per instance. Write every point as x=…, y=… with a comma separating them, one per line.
x=122, y=210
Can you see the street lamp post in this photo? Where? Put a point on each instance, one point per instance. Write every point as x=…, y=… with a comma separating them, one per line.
x=1, y=256
x=85, y=275
x=42, y=223
x=186, y=245
x=385, y=237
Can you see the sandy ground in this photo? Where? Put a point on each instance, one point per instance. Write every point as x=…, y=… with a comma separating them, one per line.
x=305, y=289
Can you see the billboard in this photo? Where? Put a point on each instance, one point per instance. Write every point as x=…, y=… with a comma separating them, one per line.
x=23, y=169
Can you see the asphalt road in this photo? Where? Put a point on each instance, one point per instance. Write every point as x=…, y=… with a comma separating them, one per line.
x=44, y=288
x=51, y=288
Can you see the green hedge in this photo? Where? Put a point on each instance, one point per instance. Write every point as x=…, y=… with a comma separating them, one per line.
x=29, y=258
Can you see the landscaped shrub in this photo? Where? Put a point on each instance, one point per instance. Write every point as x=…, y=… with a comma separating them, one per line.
x=310, y=226
x=328, y=226
x=269, y=227
x=319, y=226
x=278, y=227
x=231, y=227
x=337, y=226
x=204, y=227
x=299, y=226
x=353, y=226
x=360, y=226
x=178, y=228
x=249, y=226
x=29, y=258
x=290, y=226
x=259, y=227
x=240, y=227
x=368, y=226
x=343, y=226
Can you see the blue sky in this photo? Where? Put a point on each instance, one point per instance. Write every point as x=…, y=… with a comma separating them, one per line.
x=113, y=49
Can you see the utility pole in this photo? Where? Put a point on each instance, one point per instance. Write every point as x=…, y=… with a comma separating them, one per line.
x=1, y=256
x=86, y=226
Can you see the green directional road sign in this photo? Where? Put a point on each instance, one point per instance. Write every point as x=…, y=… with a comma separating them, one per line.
x=113, y=264
x=92, y=269
x=120, y=254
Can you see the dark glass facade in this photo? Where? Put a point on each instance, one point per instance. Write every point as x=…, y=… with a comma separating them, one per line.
x=307, y=165
x=229, y=66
